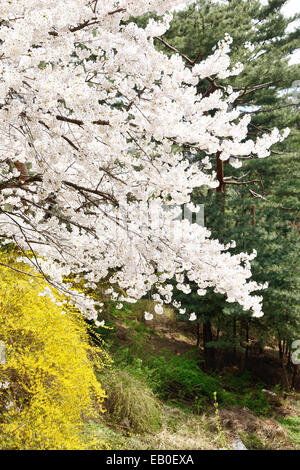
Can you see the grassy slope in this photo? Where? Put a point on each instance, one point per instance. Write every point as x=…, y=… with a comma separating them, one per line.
x=160, y=398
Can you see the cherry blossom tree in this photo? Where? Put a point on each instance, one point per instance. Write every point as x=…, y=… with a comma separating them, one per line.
x=93, y=120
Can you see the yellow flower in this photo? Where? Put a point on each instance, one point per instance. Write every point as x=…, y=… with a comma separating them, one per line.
x=50, y=366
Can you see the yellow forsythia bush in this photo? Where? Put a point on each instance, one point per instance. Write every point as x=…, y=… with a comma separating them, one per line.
x=48, y=386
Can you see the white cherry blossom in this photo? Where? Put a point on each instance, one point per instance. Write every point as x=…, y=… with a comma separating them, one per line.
x=92, y=122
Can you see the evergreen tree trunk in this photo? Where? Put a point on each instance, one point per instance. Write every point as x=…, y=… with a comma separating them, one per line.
x=247, y=341
x=289, y=358
x=286, y=347
x=220, y=174
x=234, y=337
x=285, y=375
x=280, y=349
x=294, y=376
x=253, y=212
x=261, y=346
x=198, y=334
x=209, y=353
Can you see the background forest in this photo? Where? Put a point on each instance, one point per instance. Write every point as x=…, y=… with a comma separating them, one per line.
x=170, y=383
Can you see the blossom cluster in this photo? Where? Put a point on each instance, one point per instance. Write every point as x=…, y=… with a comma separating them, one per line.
x=93, y=118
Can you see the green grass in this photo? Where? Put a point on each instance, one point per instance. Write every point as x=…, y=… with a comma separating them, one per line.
x=162, y=400
x=241, y=390
x=253, y=442
x=180, y=381
x=181, y=377
x=146, y=381
x=179, y=431
x=131, y=403
x=114, y=438
x=292, y=424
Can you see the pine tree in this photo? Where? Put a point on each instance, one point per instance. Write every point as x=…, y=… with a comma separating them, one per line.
x=264, y=214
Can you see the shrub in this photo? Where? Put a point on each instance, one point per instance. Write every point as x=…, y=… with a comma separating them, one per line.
x=131, y=403
x=243, y=391
x=175, y=378
x=181, y=376
x=48, y=384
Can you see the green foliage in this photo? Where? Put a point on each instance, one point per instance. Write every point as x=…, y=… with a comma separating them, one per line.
x=180, y=377
x=199, y=27
x=256, y=401
x=116, y=437
x=242, y=391
x=264, y=215
x=130, y=402
x=222, y=438
x=181, y=381
x=292, y=424
x=253, y=442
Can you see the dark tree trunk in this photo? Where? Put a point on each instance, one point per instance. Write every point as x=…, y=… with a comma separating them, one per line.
x=198, y=334
x=247, y=341
x=285, y=375
x=234, y=337
x=220, y=190
x=286, y=347
x=220, y=174
x=294, y=376
x=261, y=345
x=289, y=358
x=209, y=353
x=253, y=212
x=280, y=349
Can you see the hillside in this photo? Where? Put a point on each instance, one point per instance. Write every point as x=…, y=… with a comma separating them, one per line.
x=161, y=396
